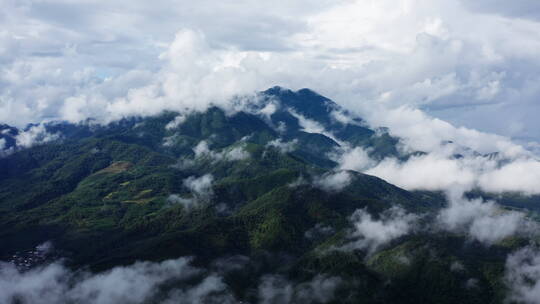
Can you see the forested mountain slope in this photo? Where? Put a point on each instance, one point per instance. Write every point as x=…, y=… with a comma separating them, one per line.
x=262, y=185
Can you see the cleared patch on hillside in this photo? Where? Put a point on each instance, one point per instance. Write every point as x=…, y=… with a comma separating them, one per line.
x=116, y=167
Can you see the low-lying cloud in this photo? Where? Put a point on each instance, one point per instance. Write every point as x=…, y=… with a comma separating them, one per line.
x=200, y=189
x=177, y=121
x=370, y=234
x=444, y=171
x=166, y=282
x=233, y=154
x=482, y=221
x=137, y=283
x=356, y=159
x=522, y=275
x=283, y=146
x=333, y=181
x=200, y=186
x=277, y=289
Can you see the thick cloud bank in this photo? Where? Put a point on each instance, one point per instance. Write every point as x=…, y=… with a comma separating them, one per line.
x=483, y=221
x=440, y=172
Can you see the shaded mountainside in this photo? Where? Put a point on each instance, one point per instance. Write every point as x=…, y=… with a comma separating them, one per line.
x=254, y=183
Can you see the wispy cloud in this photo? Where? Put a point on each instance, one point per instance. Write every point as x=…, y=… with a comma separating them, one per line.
x=137, y=283
x=277, y=289
x=200, y=189
x=483, y=221
x=333, y=181
x=523, y=275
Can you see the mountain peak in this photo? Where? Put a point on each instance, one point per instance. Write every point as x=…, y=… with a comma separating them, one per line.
x=304, y=92
x=276, y=91
x=301, y=99
x=308, y=92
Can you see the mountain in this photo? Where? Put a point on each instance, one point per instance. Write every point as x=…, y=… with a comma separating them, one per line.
x=259, y=183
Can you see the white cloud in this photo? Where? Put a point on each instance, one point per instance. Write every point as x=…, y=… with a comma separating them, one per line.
x=236, y=153
x=276, y=289
x=333, y=181
x=308, y=125
x=284, y=147
x=442, y=171
x=312, y=126
x=429, y=172
x=369, y=233
x=35, y=135
x=341, y=116
x=229, y=154
x=423, y=133
x=200, y=186
x=200, y=189
x=169, y=140
x=269, y=109
x=201, y=149
x=522, y=275
x=521, y=175
x=300, y=181
x=320, y=289
x=137, y=283
x=177, y=121
x=482, y=221
x=356, y=159
x=211, y=290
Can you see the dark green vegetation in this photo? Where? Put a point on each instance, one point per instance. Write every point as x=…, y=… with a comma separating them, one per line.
x=102, y=196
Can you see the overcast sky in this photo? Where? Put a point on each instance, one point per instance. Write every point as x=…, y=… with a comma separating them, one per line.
x=430, y=70
x=472, y=63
